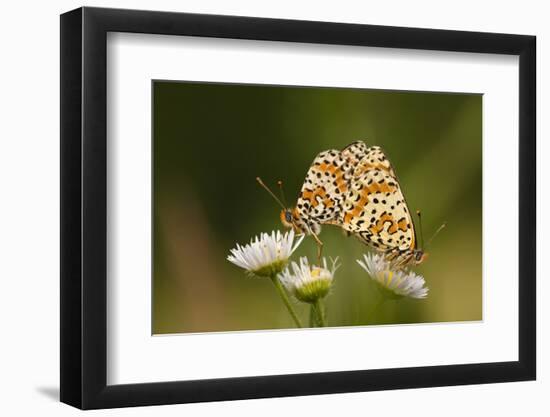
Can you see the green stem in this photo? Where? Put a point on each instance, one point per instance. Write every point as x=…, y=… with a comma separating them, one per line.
x=320, y=313
x=284, y=297
x=312, y=317
x=376, y=308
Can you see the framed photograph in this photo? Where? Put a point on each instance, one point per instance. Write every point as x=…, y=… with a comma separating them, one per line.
x=257, y=208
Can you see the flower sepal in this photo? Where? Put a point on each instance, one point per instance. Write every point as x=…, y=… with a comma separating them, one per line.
x=270, y=270
x=387, y=293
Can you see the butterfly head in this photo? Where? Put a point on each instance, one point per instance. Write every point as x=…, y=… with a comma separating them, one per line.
x=286, y=217
x=291, y=219
x=419, y=256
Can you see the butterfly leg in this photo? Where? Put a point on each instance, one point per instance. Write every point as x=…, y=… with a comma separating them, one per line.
x=394, y=257
x=319, y=247
x=391, y=255
x=399, y=259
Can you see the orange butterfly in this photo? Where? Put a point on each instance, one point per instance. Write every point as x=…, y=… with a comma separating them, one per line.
x=356, y=189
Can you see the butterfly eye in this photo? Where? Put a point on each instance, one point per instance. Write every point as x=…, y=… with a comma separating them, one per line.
x=288, y=216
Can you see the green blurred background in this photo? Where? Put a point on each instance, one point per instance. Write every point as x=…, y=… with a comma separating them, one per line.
x=212, y=140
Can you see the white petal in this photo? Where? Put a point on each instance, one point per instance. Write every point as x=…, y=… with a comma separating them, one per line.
x=401, y=281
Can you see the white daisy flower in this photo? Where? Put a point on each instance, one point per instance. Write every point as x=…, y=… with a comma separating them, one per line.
x=266, y=255
x=394, y=283
x=308, y=283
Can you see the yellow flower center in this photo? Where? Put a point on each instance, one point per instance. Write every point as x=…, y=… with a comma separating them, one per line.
x=390, y=277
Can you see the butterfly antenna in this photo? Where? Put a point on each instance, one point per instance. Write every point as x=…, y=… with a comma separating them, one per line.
x=420, y=225
x=270, y=192
x=283, y=199
x=436, y=233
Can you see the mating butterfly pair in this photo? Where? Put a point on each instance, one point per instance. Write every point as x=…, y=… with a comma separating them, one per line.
x=357, y=189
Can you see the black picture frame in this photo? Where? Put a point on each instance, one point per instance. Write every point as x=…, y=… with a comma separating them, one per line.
x=84, y=207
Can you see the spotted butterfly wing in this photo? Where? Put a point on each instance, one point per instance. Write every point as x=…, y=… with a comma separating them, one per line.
x=326, y=184
x=374, y=209
x=354, y=153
